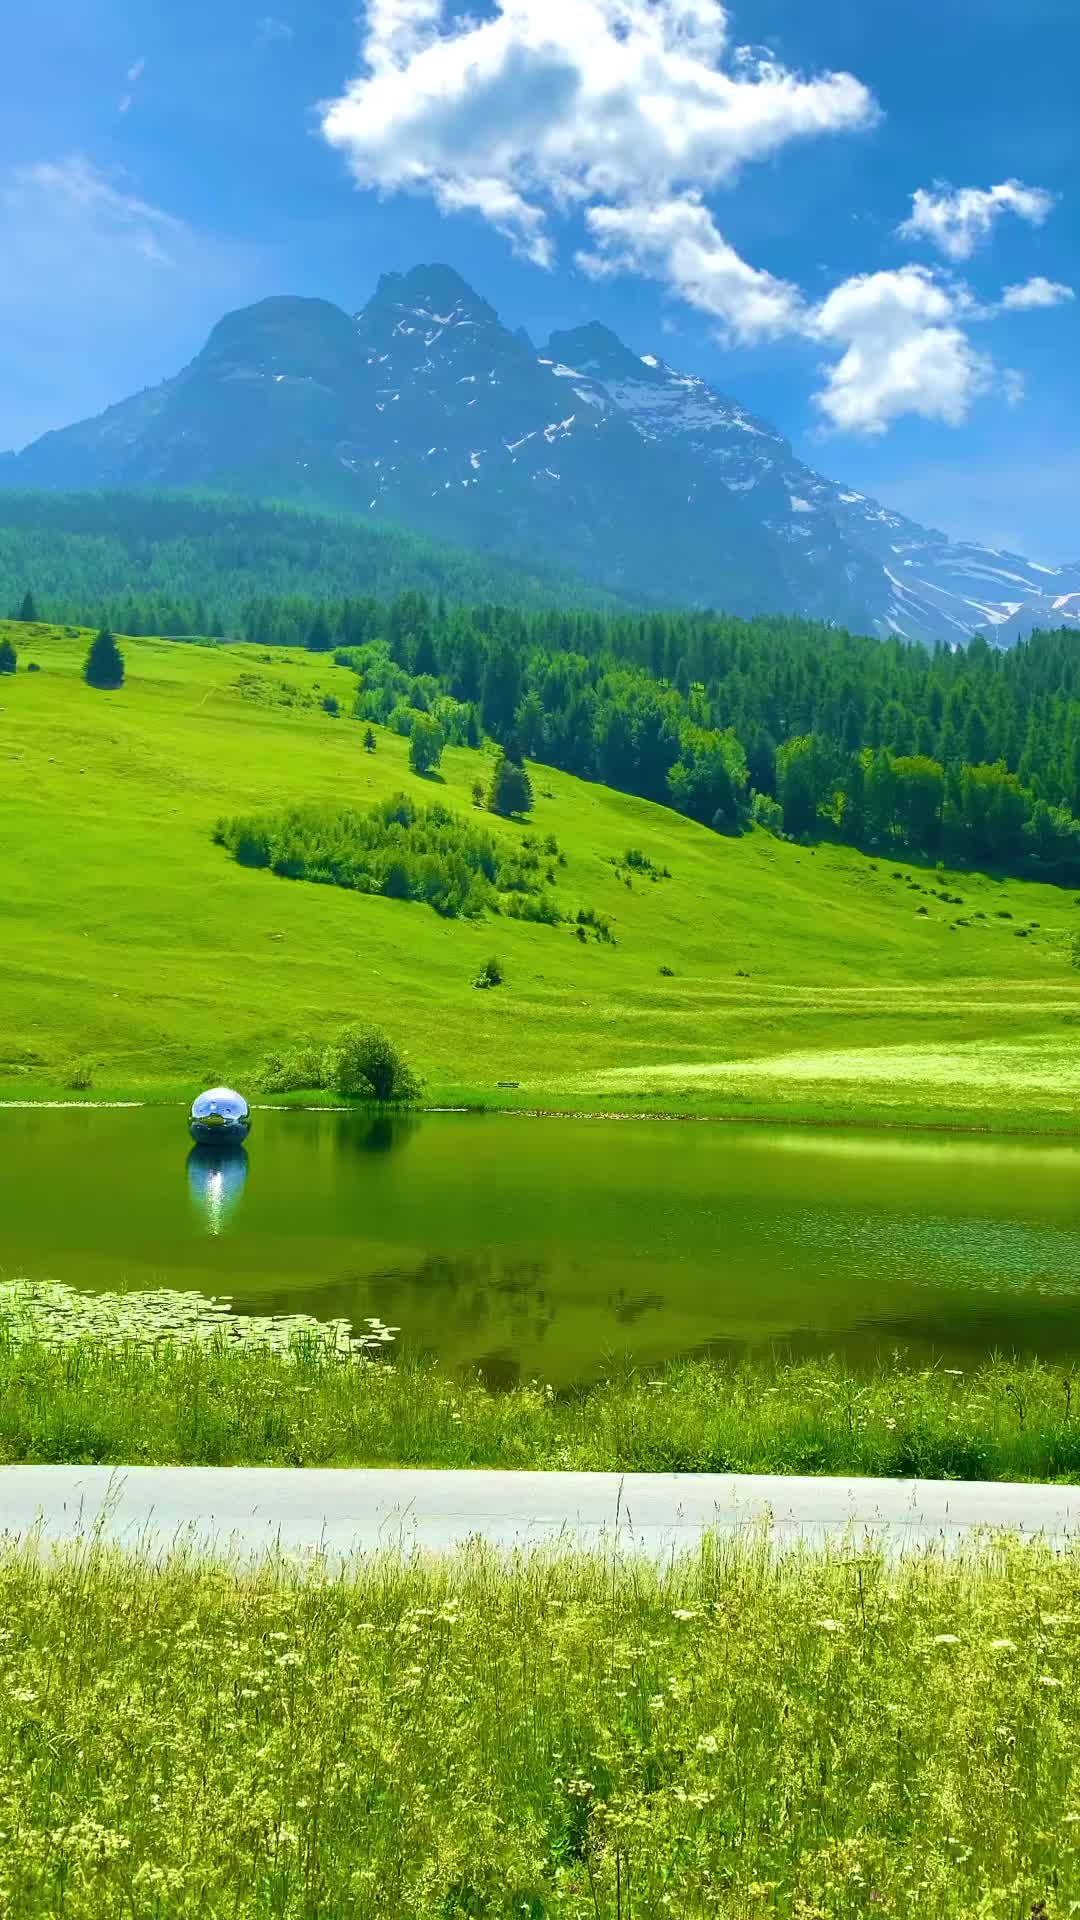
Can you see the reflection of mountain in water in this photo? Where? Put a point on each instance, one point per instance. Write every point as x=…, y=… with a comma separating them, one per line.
x=216, y=1182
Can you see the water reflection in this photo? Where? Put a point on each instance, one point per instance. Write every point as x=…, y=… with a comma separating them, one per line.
x=375, y=1132
x=216, y=1181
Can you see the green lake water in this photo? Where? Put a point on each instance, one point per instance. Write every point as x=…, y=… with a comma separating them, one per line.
x=554, y=1248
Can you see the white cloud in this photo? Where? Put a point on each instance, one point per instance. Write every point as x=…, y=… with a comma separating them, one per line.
x=113, y=290
x=678, y=242
x=1035, y=294
x=134, y=75
x=957, y=219
x=551, y=104
x=75, y=195
x=903, y=352
x=274, y=32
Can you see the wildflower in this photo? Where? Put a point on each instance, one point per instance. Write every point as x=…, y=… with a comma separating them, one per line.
x=1048, y=1680
x=1003, y=1646
x=708, y=1743
x=946, y=1639
x=685, y=1613
x=830, y=1626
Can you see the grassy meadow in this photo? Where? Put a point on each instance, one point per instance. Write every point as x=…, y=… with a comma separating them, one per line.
x=152, y=1381
x=819, y=1736
x=813, y=984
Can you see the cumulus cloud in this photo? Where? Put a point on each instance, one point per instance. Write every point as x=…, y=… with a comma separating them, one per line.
x=1035, y=294
x=957, y=220
x=904, y=351
x=554, y=104
x=678, y=242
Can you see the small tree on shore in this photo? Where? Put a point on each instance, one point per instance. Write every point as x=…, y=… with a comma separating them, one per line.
x=104, y=666
x=9, y=659
x=363, y=1063
x=511, y=789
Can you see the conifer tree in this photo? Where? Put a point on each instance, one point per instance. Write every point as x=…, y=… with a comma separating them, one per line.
x=511, y=789
x=9, y=659
x=104, y=666
x=28, y=612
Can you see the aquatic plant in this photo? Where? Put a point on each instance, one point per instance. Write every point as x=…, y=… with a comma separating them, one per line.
x=48, y=1316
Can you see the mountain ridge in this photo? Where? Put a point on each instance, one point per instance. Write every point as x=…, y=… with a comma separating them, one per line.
x=425, y=410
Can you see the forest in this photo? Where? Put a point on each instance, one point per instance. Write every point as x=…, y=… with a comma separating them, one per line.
x=969, y=756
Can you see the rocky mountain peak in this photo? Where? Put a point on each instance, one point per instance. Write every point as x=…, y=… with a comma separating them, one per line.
x=595, y=350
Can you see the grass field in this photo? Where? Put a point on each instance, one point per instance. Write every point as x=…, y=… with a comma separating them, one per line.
x=124, y=1380
x=820, y=1737
x=804, y=983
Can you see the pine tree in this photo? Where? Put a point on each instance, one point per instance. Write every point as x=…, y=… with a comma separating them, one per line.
x=9, y=659
x=104, y=666
x=28, y=612
x=369, y=740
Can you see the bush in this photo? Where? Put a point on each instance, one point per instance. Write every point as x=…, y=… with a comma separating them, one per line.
x=9, y=659
x=79, y=1077
x=490, y=974
x=104, y=665
x=397, y=848
x=295, y=1072
x=363, y=1063
x=330, y=705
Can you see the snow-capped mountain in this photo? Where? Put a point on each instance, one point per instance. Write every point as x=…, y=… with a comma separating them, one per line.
x=425, y=410
x=916, y=582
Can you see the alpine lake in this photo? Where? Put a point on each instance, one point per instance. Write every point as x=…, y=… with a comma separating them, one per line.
x=559, y=1249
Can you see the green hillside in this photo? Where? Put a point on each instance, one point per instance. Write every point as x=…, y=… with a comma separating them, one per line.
x=191, y=561
x=803, y=981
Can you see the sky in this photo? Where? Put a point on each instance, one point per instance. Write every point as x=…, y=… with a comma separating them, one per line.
x=861, y=220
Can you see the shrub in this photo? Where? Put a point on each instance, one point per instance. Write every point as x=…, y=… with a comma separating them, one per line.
x=330, y=705
x=9, y=659
x=668, y=973
x=79, y=1077
x=397, y=848
x=490, y=974
x=364, y=1063
x=104, y=665
x=294, y=1072
x=601, y=926
x=767, y=813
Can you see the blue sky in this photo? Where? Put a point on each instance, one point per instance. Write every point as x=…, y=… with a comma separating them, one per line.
x=721, y=185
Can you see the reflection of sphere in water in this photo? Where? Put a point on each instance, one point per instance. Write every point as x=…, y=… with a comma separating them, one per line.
x=217, y=1182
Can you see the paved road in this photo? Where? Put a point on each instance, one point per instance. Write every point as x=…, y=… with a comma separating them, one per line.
x=246, y=1512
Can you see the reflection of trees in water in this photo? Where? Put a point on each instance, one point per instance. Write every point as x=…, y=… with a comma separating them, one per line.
x=629, y=1309
x=378, y=1132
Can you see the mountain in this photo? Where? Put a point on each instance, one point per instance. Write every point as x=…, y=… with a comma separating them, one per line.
x=424, y=410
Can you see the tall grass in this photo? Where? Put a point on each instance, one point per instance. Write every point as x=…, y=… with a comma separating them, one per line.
x=819, y=1737
x=118, y=1400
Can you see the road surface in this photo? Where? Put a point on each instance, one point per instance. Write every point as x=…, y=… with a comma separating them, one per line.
x=245, y=1513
